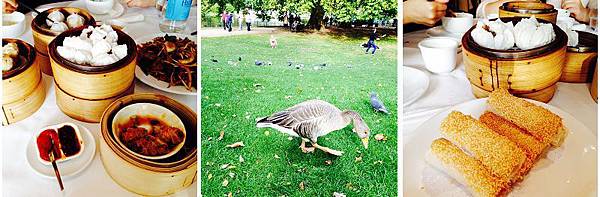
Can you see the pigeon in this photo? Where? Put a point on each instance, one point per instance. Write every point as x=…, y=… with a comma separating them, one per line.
x=269, y=63
x=322, y=65
x=258, y=63
x=377, y=104
x=212, y=58
x=299, y=66
x=240, y=59
x=289, y=63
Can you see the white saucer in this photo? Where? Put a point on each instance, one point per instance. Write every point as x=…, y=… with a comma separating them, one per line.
x=67, y=168
x=414, y=83
x=439, y=31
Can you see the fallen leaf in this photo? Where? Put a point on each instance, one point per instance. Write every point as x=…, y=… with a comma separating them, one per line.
x=378, y=162
x=335, y=194
x=235, y=145
x=328, y=162
x=210, y=176
x=224, y=166
x=380, y=137
x=231, y=174
x=218, y=104
x=247, y=117
x=269, y=175
x=230, y=167
x=221, y=135
x=290, y=138
x=241, y=159
x=209, y=138
x=301, y=186
x=277, y=156
x=225, y=183
x=358, y=159
x=229, y=194
x=267, y=133
x=288, y=97
x=257, y=91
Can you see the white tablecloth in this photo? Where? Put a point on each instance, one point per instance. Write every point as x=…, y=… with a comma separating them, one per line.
x=447, y=90
x=20, y=180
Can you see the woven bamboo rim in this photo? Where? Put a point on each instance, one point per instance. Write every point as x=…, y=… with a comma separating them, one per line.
x=181, y=160
x=21, y=109
x=523, y=7
x=24, y=48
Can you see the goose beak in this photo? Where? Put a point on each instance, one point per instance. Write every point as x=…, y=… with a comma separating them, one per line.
x=365, y=142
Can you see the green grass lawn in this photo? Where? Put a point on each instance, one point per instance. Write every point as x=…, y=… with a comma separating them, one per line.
x=273, y=164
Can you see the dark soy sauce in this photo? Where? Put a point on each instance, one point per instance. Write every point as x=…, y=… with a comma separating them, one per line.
x=68, y=140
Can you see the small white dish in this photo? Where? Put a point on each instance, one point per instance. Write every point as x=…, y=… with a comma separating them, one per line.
x=116, y=11
x=147, y=109
x=569, y=170
x=67, y=168
x=158, y=84
x=13, y=25
x=99, y=6
x=459, y=24
x=414, y=84
x=563, y=13
x=439, y=54
x=55, y=128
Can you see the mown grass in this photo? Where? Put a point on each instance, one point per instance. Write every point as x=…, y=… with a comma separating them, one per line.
x=233, y=96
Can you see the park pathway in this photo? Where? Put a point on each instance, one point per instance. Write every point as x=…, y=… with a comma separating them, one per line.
x=219, y=32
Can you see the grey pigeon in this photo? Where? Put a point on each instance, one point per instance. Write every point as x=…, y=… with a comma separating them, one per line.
x=289, y=63
x=212, y=58
x=240, y=59
x=258, y=63
x=377, y=104
x=269, y=63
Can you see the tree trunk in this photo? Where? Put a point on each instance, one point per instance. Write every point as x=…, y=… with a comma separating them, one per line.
x=316, y=16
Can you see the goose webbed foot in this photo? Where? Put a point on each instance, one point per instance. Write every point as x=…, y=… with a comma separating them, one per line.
x=328, y=150
x=306, y=149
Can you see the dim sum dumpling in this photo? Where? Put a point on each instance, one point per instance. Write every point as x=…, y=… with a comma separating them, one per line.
x=82, y=57
x=77, y=43
x=100, y=47
x=573, y=36
x=98, y=34
x=529, y=33
x=104, y=59
x=10, y=49
x=66, y=52
x=59, y=27
x=120, y=51
x=7, y=63
x=482, y=36
x=55, y=16
x=75, y=20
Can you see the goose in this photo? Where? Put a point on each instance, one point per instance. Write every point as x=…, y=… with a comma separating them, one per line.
x=315, y=118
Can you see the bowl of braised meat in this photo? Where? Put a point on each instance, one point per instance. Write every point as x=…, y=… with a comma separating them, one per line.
x=149, y=131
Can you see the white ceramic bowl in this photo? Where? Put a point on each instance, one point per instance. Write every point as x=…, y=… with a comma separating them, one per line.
x=99, y=6
x=56, y=127
x=148, y=109
x=439, y=54
x=459, y=24
x=16, y=26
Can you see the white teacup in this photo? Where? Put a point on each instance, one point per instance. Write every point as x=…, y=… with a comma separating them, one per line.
x=459, y=24
x=439, y=54
x=99, y=6
x=13, y=25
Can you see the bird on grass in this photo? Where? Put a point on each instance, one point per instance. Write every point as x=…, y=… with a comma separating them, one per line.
x=258, y=63
x=377, y=104
x=312, y=119
x=212, y=58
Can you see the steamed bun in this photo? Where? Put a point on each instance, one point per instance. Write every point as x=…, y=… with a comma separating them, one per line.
x=75, y=20
x=55, y=16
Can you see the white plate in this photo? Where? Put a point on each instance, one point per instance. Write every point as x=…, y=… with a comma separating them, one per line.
x=67, y=168
x=155, y=83
x=414, y=84
x=569, y=170
x=117, y=10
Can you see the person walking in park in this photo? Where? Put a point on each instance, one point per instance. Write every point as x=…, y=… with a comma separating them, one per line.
x=224, y=19
x=371, y=42
x=249, y=19
x=229, y=21
x=240, y=18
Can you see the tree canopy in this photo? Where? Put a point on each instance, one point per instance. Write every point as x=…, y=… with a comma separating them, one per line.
x=343, y=11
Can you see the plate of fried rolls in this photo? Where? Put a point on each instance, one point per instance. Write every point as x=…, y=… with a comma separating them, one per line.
x=501, y=146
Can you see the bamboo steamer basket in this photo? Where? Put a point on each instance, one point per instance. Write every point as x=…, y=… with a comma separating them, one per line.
x=527, y=9
x=24, y=78
x=86, y=110
x=25, y=107
x=143, y=176
x=581, y=59
x=527, y=73
x=42, y=35
x=93, y=82
x=594, y=85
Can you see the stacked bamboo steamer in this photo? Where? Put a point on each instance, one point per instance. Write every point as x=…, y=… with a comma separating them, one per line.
x=527, y=9
x=23, y=88
x=83, y=91
x=581, y=59
x=529, y=73
x=143, y=176
x=42, y=35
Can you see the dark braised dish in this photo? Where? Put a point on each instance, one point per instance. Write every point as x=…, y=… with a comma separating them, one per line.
x=149, y=136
